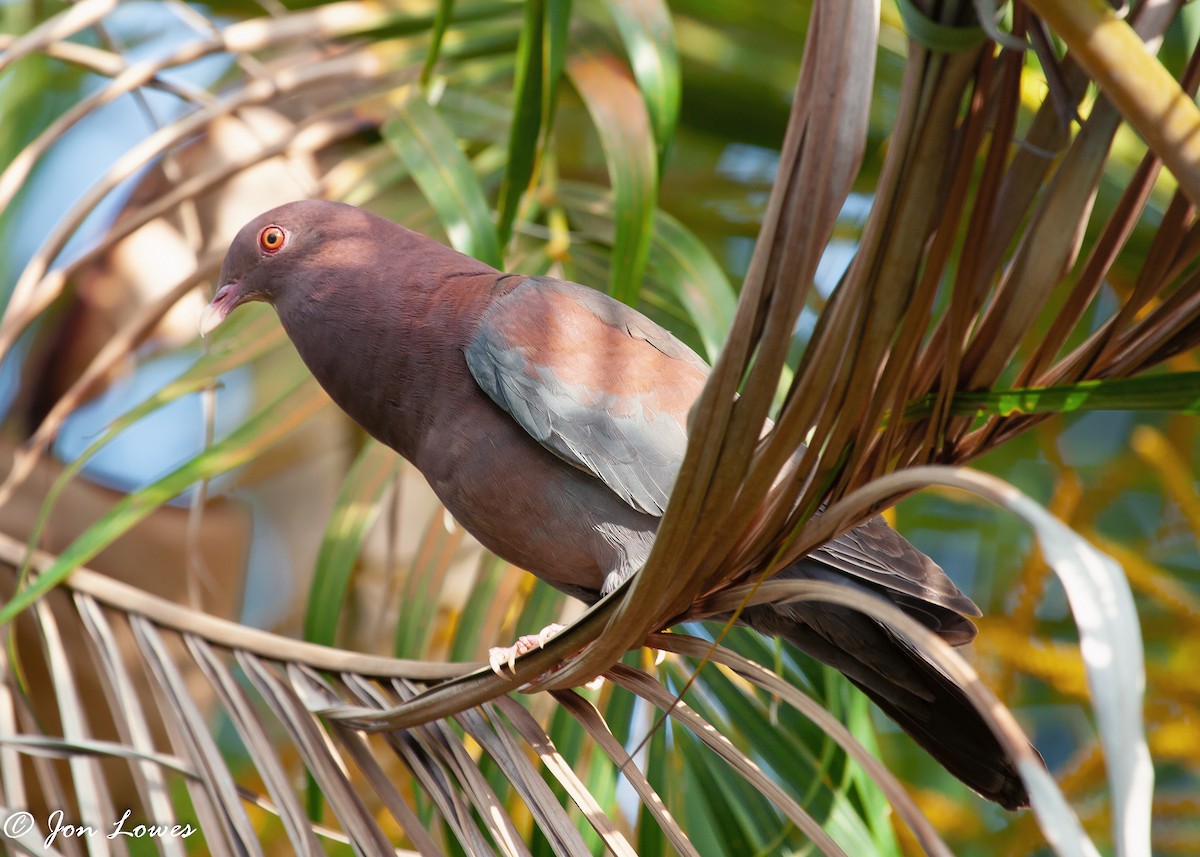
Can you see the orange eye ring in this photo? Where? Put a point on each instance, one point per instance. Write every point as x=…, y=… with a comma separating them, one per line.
x=271, y=239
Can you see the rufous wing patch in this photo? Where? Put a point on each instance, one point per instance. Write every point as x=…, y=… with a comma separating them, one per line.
x=566, y=363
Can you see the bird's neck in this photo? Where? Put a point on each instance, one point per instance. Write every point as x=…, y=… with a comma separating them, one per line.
x=392, y=356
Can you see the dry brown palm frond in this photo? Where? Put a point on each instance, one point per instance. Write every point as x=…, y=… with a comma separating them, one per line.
x=814, y=177
x=339, y=710
x=868, y=356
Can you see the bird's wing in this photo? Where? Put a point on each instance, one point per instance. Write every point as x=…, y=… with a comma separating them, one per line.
x=592, y=380
x=879, y=554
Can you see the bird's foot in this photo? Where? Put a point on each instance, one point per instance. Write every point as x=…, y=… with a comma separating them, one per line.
x=500, y=656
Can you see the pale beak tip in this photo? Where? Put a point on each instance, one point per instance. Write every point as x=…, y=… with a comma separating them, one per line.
x=210, y=318
x=216, y=310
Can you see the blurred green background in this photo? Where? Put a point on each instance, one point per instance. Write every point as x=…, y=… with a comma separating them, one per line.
x=667, y=220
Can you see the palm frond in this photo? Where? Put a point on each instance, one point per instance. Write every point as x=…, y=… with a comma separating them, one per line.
x=338, y=711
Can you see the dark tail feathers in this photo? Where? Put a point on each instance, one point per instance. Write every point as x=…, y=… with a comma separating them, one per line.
x=910, y=690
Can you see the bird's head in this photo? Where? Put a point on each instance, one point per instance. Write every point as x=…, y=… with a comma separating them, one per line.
x=279, y=254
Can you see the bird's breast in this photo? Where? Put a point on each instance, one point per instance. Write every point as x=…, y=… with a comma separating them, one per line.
x=528, y=506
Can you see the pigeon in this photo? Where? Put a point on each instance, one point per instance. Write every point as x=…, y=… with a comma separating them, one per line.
x=551, y=420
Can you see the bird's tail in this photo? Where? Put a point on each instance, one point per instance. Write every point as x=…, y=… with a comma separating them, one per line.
x=913, y=692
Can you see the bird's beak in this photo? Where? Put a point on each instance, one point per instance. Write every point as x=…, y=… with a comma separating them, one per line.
x=223, y=302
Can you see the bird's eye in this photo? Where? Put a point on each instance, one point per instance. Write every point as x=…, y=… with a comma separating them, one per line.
x=271, y=239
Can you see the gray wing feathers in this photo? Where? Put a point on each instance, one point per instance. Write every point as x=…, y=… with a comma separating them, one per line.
x=634, y=450
x=876, y=552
